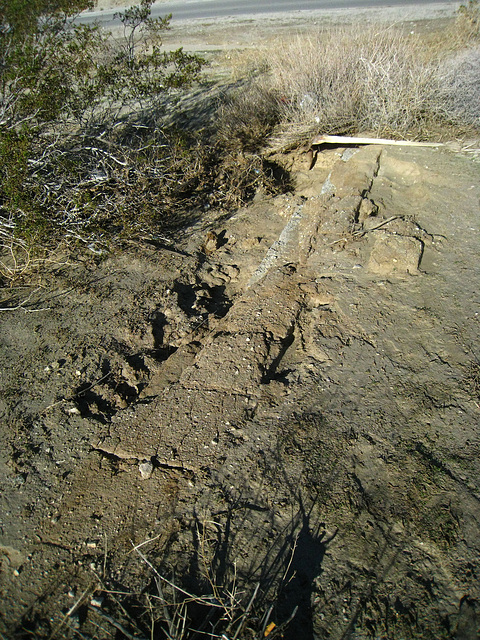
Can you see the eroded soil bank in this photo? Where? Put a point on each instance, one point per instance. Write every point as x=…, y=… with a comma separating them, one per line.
x=298, y=382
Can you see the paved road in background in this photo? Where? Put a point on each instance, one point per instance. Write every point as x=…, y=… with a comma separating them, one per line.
x=201, y=9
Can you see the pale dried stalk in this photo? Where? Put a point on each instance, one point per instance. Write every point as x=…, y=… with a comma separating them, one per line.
x=326, y=139
x=18, y=263
x=21, y=305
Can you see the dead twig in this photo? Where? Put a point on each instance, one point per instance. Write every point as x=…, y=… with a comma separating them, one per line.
x=115, y=624
x=22, y=304
x=19, y=260
x=243, y=617
x=77, y=395
x=78, y=602
x=198, y=599
x=362, y=232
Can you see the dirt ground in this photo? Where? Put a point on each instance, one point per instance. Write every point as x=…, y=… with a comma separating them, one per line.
x=287, y=396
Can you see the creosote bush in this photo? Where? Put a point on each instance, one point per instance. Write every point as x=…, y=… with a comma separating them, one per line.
x=74, y=146
x=86, y=155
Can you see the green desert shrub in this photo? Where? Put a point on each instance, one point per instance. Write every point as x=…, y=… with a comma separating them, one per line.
x=66, y=91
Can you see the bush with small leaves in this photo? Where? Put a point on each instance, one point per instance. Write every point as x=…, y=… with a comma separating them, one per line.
x=65, y=90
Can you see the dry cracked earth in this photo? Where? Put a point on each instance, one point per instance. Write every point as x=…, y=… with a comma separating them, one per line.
x=290, y=394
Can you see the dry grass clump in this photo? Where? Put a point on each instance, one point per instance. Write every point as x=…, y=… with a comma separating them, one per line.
x=348, y=80
x=159, y=605
x=467, y=24
x=229, y=608
x=248, y=117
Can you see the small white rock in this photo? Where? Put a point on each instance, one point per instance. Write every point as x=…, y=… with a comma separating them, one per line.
x=146, y=469
x=97, y=601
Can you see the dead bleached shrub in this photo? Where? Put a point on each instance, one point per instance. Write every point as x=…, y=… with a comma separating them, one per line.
x=347, y=80
x=460, y=87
